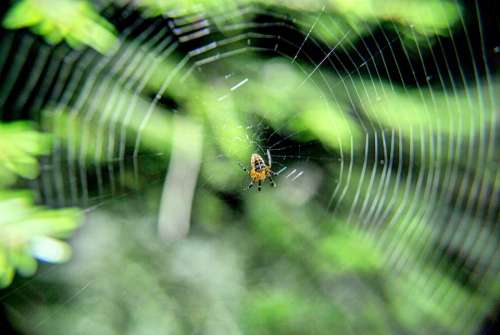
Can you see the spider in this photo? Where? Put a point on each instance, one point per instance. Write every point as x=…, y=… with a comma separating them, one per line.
x=260, y=171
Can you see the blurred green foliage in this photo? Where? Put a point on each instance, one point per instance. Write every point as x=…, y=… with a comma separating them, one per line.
x=282, y=272
x=77, y=22
x=27, y=231
x=417, y=20
x=19, y=147
x=279, y=265
x=74, y=21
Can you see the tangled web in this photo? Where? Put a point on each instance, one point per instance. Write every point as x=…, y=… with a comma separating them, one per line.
x=388, y=126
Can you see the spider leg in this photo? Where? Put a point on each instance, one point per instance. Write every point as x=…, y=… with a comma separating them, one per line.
x=259, y=187
x=279, y=172
x=250, y=185
x=273, y=184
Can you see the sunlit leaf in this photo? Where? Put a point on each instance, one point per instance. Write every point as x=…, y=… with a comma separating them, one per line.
x=76, y=21
x=49, y=250
x=19, y=146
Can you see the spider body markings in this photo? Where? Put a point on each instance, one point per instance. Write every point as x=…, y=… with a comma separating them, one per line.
x=260, y=171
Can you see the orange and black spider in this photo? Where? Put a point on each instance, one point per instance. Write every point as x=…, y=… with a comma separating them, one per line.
x=259, y=171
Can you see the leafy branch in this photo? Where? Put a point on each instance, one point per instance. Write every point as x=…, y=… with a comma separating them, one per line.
x=28, y=232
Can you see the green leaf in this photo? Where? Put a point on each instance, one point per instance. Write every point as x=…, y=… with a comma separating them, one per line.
x=75, y=21
x=21, y=16
x=19, y=146
x=23, y=262
x=6, y=269
x=29, y=232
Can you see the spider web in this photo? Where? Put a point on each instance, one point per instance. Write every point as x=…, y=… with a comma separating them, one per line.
x=433, y=173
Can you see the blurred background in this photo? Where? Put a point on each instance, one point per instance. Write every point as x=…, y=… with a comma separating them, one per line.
x=124, y=209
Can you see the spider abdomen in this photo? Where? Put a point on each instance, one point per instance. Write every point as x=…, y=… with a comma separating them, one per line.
x=257, y=162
